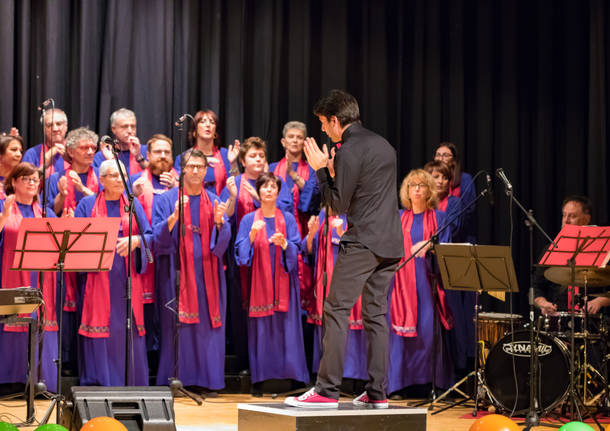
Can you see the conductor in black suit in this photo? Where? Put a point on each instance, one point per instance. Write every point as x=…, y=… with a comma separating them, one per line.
x=358, y=179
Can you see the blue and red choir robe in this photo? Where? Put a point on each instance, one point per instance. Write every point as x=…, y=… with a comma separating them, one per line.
x=412, y=312
x=463, y=301
x=14, y=338
x=132, y=166
x=103, y=318
x=235, y=308
x=152, y=191
x=217, y=172
x=275, y=335
x=306, y=202
x=35, y=156
x=70, y=300
x=203, y=293
x=356, y=348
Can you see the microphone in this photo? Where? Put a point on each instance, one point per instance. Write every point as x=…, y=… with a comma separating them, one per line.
x=490, y=192
x=45, y=104
x=180, y=120
x=500, y=174
x=108, y=140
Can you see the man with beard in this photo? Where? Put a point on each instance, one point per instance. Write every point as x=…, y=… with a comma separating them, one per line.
x=148, y=186
x=124, y=127
x=55, y=128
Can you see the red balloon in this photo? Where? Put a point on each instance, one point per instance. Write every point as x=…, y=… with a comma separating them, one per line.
x=494, y=423
x=103, y=423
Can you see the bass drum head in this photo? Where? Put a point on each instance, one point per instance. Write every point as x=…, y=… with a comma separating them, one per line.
x=554, y=373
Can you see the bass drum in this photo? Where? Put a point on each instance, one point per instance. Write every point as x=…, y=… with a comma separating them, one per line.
x=554, y=375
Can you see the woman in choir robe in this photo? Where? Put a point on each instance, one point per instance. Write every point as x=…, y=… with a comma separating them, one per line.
x=11, y=152
x=461, y=186
x=415, y=352
x=222, y=162
x=103, y=319
x=241, y=198
x=320, y=249
x=460, y=302
x=268, y=242
x=202, y=297
x=22, y=186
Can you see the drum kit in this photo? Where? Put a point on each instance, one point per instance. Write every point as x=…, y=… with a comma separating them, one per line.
x=568, y=343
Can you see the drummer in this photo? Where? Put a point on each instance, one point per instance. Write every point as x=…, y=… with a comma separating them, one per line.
x=549, y=297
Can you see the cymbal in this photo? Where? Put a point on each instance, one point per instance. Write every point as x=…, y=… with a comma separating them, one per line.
x=593, y=276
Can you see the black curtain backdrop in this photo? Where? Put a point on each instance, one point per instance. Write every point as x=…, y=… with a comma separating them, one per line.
x=521, y=85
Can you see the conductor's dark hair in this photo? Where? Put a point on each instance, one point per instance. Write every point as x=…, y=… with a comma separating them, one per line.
x=340, y=104
x=265, y=178
x=584, y=202
x=192, y=153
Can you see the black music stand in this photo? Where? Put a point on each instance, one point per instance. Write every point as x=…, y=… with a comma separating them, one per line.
x=65, y=245
x=475, y=268
x=11, y=315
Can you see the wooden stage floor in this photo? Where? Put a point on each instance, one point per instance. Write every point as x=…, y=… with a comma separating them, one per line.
x=220, y=414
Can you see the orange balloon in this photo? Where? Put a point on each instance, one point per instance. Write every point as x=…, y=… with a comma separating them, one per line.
x=103, y=423
x=494, y=423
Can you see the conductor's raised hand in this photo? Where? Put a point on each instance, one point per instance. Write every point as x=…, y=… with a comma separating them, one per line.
x=316, y=158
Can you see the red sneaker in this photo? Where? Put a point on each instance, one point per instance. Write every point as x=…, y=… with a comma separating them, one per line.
x=312, y=399
x=364, y=401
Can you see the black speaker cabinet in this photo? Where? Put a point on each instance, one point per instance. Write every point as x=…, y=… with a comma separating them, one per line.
x=139, y=408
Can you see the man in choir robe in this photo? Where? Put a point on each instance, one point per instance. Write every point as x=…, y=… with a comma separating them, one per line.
x=297, y=174
x=195, y=246
x=148, y=186
x=55, y=123
x=133, y=155
x=241, y=198
x=103, y=318
x=66, y=188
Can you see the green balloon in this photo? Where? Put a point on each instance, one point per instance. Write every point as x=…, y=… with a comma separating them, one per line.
x=576, y=426
x=5, y=426
x=50, y=427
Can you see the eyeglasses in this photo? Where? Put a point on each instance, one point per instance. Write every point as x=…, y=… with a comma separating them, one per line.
x=444, y=155
x=420, y=185
x=114, y=176
x=30, y=180
x=191, y=168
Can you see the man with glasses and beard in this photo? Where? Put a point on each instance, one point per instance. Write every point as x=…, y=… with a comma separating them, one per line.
x=148, y=185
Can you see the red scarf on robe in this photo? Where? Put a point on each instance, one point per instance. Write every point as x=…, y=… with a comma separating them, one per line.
x=301, y=219
x=303, y=172
x=70, y=203
x=268, y=295
x=96, y=304
x=188, y=307
x=51, y=167
x=220, y=173
x=315, y=316
x=442, y=205
x=455, y=191
x=404, y=295
x=245, y=205
x=147, y=199
x=13, y=279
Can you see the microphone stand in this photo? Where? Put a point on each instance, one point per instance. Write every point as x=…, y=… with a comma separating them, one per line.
x=130, y=208
x=434, y=240
x=532, y=418
x=175, y=383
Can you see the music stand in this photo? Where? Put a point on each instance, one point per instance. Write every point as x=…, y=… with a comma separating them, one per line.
x=475, y=268
x=586, y=249
x=65, y=245
x=10, y=314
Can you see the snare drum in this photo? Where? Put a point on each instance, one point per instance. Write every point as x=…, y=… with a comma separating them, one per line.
x=493, y=326
x=559, y=324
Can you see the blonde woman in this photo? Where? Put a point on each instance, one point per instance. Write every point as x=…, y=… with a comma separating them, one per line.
x=413, y=354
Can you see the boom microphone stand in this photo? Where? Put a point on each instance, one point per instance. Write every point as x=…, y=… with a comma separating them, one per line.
x=175, y=383
x=130, y=208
